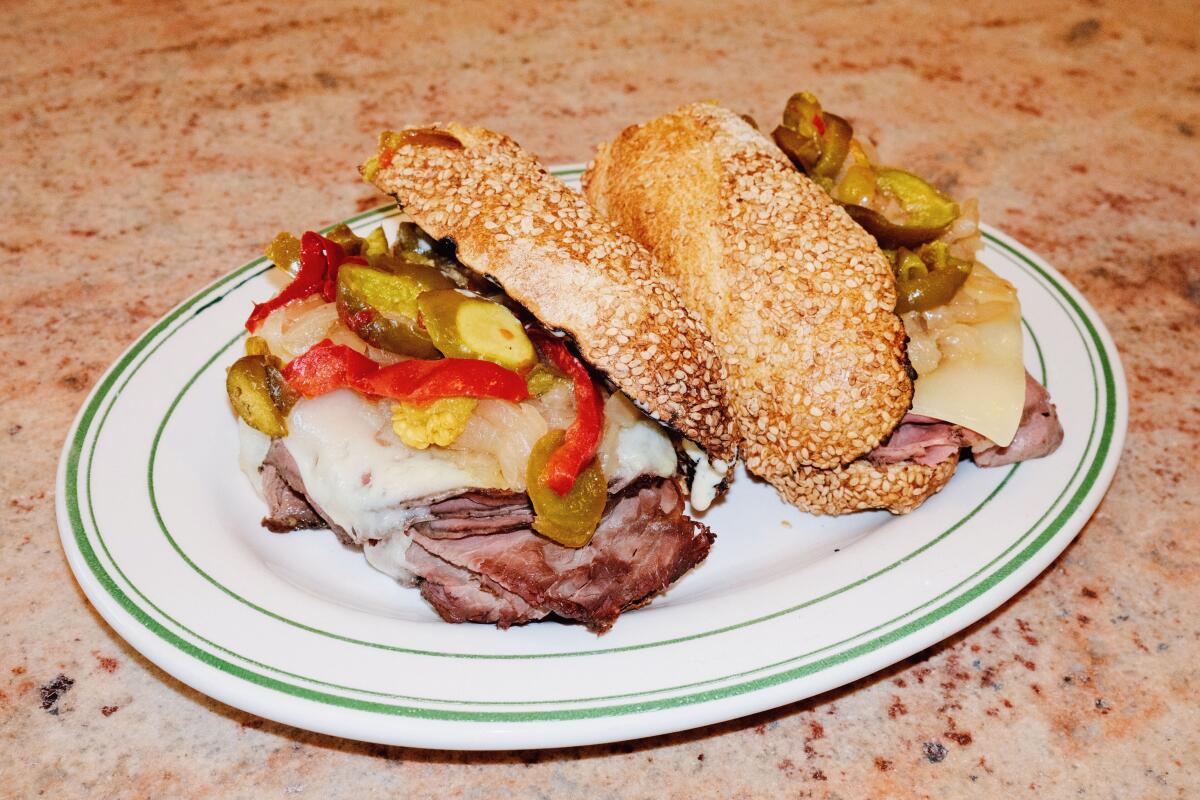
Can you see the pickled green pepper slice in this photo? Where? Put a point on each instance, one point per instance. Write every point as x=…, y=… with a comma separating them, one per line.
x=464, y=325
x=284, y=252
x=927, y=278
x=381, y=308
x=570, y=519
x=259, y=394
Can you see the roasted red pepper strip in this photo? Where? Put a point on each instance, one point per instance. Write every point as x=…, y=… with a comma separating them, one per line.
x=583, y=437
x=334, y=257
x=309, y=280
x=420, y=381
x=320, y=259
x=327, y=366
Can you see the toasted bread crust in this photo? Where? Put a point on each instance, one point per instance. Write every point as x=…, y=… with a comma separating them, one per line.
x=514, y=222
x=861, y=485
x=798, y=297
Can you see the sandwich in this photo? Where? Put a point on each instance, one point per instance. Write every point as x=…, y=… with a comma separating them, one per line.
x=501, y=401
x=867, y=348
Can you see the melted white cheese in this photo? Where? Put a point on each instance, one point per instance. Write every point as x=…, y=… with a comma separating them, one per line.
x=358, y=472
x=644, y=449
x=707, y=476
x=968, y=355
x=389, y=556
x=252, y=449
x=632, y=444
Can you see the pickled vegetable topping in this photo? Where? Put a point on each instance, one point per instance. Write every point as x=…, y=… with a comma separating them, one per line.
x=350, y=242
x=816, y=141
x=928, y=277
x=327, y=366
x=320, y=259
x=896, y=207
x=438, y=422
x=421, y=381
x=924, y=206
x=465, y=325
x=257, y=346
x=568, y=518
x=835, y=146
x=802, y=134
x=284, y=253
x=411, y=239
x=444, y=349
x=580, y=441
x=380, y=306
x=394, y=284
x=375, y=244
x=542, y=379
x=926, y=232
x=917, y=212
x=258, y=391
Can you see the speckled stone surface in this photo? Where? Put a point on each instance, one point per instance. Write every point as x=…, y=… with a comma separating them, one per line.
x=149, y=147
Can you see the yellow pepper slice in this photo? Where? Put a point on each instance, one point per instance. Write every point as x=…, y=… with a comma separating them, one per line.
x=439, y=422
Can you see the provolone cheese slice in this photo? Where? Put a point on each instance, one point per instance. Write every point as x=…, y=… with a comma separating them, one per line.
x=968, y=355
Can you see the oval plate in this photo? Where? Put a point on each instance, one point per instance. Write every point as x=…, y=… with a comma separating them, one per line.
x=162, y=531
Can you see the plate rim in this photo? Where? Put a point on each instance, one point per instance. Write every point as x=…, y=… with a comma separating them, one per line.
x=1097, y=477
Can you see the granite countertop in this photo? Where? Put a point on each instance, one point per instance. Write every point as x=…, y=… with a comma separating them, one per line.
x=149, y=148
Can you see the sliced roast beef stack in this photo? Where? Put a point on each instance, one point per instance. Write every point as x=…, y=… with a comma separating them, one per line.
x=289, y=507
x=1039, y=434
x=289, y=510
x=929, y=441
x=477, y=560
x=477, y=513
x=643, y=544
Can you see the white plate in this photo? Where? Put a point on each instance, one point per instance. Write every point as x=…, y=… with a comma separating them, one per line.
x=162, y=531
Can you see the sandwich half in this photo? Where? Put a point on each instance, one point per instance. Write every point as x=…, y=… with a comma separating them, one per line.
x=798, y=297
x=802, y=301
x=502, y=402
